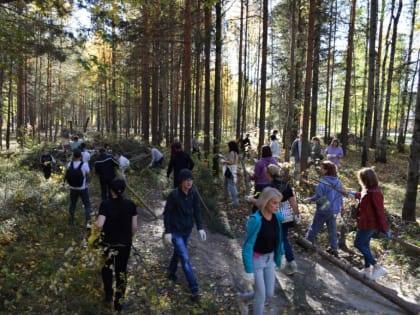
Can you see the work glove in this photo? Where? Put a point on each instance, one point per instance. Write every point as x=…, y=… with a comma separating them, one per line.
x=388, y=235
x=297, y=218
x=167, y=238
x=249, y=279
x=203, y=234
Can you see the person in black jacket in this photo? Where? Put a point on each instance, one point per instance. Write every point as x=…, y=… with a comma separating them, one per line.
x=179, y=160
x=105, y=167
x=118, y=221
x=181, y=210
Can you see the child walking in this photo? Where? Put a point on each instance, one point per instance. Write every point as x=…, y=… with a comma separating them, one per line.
x=371, y=219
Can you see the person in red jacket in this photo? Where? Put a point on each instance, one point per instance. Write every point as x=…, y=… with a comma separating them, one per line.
x=371, y=219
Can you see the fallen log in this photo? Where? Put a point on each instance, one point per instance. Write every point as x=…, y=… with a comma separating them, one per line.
x=389, y=294
x=407, y=246
x=142, y=201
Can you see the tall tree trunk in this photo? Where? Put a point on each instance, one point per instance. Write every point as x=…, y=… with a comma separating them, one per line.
x=145, y=75
x=263, y=74
x=347, y=86
x=384, y=140
x=20, y=110
x=187, y=75
x=217, y=132
x=239, y=130
x=113, y=82
x=365, y=74
x=376, y=132
x=246, y=72
x=371, y=81
x=155, y=100
x=315, y=70
x=9, y=105
x=401, y=129
x=308, y=79
x=409, y=207
x=291, y=87
x=198, y=68
x=207, y=101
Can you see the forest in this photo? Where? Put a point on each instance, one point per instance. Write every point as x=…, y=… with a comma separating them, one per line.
x=139, y=72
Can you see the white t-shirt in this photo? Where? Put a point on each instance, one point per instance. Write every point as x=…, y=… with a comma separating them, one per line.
x=85, y=156
x=124, y=163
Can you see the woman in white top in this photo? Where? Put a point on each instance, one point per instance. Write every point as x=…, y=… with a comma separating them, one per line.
x=275, y=147
x=230, y=166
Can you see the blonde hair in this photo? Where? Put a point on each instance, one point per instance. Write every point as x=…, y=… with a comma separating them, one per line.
x=266, y=195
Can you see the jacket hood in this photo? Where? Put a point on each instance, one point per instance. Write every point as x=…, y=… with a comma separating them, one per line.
x=332, y=180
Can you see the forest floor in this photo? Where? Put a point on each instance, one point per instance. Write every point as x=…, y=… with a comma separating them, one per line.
x=61, y=274
x=319, y=287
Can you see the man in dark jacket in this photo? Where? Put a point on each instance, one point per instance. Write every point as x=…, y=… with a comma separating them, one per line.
x=105, y=167
x=181, y=210
x=179, y=160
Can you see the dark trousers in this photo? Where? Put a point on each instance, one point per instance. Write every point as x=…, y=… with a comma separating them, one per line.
x=84, y=195
x=47, y=171
x=118, y=258
x=105, y=190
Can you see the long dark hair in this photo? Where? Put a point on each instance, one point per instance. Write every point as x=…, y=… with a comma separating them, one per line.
x=233, y=146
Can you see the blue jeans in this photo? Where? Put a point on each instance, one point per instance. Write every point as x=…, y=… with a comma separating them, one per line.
x=362, y=243
x=229, y=185
x=288, y=251
x=264, y=280
x=318, y=223
x=84, y=195
x=180, y=254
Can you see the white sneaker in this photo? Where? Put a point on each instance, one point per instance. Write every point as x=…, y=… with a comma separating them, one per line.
x=378, y=272
x=366, y=273
x=291, y=267
x=88, y=226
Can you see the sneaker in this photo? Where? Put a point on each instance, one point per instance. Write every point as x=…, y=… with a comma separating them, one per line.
x=333, y=252
x=365, y=273
x=88, y=226
x=291, y=267
x=378, y=272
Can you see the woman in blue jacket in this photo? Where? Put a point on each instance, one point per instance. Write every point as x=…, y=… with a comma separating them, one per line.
x=263, y=246
x=329, y=202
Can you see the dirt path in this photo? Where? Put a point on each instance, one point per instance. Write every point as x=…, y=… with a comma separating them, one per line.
x=319, y=288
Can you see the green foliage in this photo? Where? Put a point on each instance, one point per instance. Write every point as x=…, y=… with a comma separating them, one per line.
x=206, y=185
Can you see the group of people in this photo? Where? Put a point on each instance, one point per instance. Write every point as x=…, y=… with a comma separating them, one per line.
x=277, y=210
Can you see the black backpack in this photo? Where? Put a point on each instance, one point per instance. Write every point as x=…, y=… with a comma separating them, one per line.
x=74, y=176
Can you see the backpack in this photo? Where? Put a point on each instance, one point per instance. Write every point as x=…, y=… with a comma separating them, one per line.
x=74, y=176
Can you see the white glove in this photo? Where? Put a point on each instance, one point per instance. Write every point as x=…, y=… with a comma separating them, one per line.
x=249, y=279
x=247, y=197
x=167, y=238
x=297, y=218
x=203, y=234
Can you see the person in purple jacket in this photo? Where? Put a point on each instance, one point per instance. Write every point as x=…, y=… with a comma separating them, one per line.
x=260, y=171
x=334, y=152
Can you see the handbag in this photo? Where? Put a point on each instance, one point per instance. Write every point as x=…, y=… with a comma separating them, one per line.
x=286, y=212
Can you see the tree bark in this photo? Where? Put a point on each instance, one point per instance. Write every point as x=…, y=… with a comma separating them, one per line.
x=308, y=79
x=413, y=172
x=347, y=85
x=371, y=81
